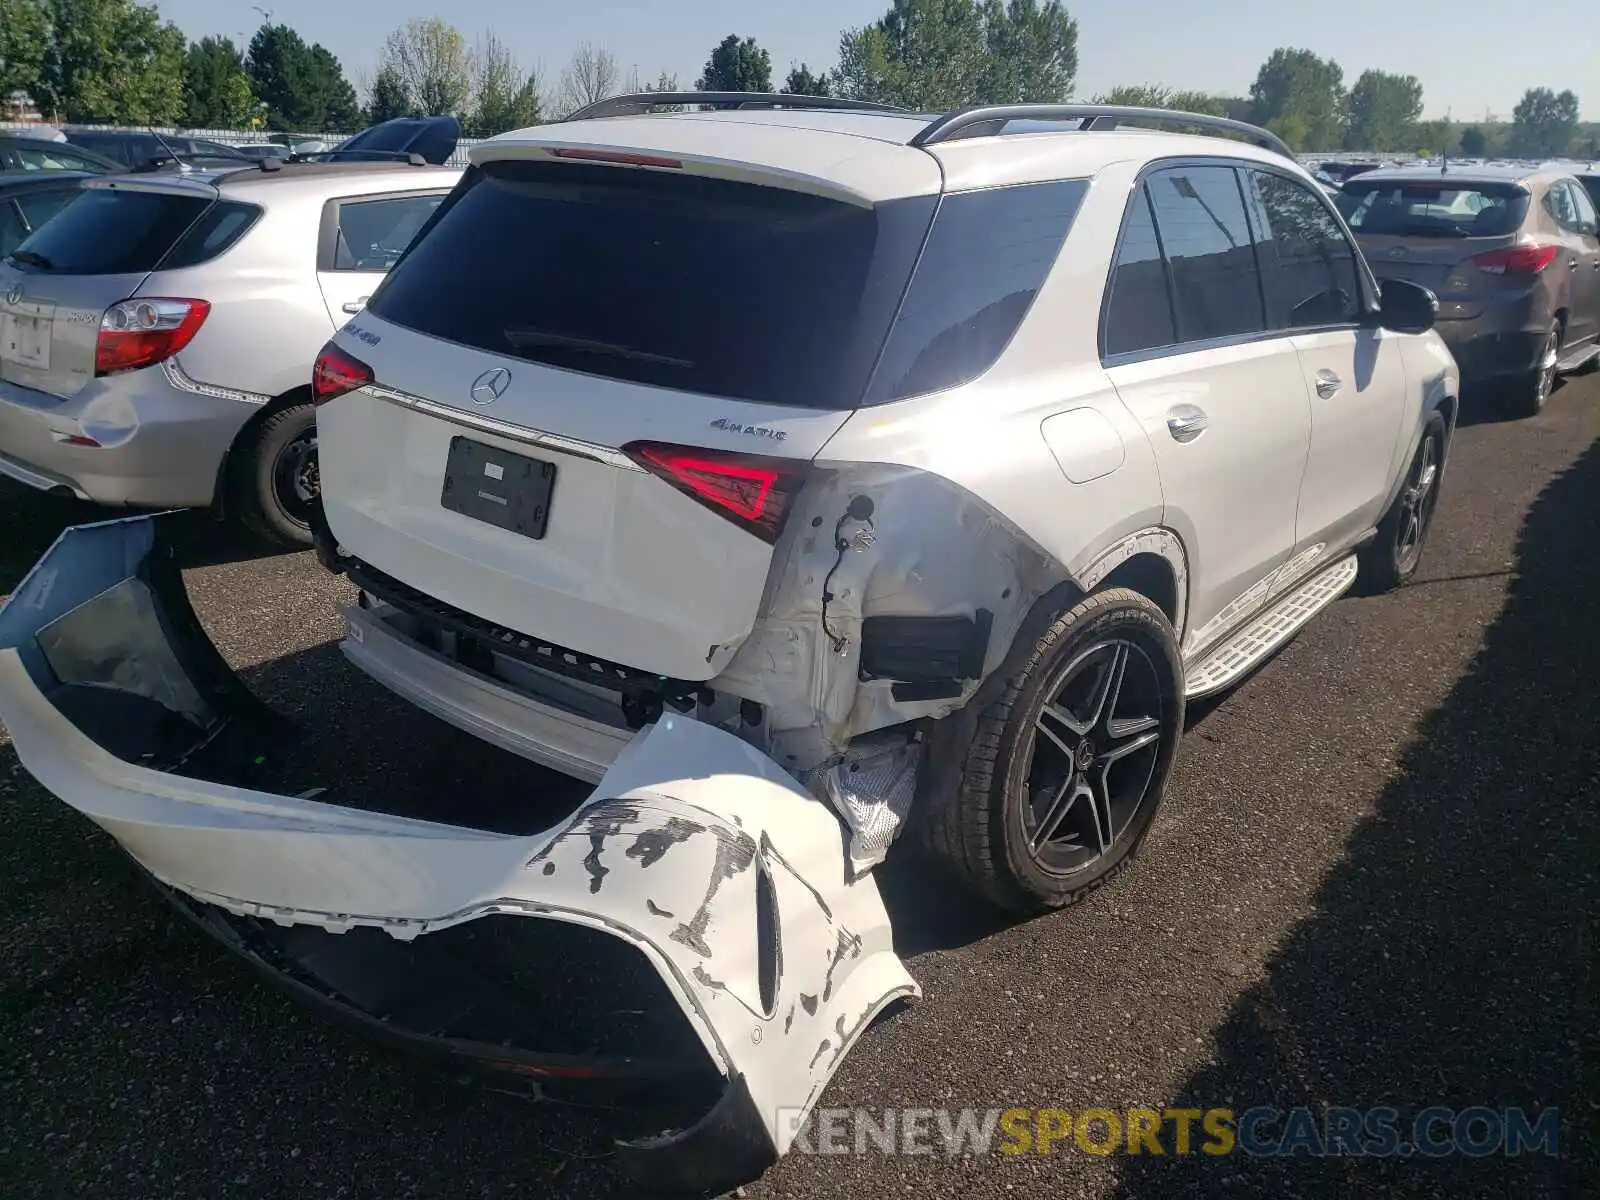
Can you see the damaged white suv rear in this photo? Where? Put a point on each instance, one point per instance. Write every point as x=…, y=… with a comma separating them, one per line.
x=799, y=473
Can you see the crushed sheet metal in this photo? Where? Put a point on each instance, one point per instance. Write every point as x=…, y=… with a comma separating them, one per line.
x=688, y=828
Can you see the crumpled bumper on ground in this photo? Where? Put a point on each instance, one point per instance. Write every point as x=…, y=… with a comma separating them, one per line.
x=694, y=849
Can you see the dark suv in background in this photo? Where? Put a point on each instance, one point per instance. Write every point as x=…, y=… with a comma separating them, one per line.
x=1513, y=253
x=141, y=150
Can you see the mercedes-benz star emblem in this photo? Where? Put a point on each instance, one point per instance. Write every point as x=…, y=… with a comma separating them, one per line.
x=14, y=294
x=490, y=386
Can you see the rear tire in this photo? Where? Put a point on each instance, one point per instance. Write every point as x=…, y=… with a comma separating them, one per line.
x=1393, y=556
x=276, y=478
x=1526, y=396
x=1061, y=776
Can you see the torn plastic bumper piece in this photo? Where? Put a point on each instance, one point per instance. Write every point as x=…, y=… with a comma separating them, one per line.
x=695, y=849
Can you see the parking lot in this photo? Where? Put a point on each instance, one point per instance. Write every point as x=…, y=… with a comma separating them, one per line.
x=1373, y=882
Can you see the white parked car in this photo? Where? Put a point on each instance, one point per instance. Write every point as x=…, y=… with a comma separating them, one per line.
x=794, y=473
x=157, y=334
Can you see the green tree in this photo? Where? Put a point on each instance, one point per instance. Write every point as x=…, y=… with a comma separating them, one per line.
x=864, y=71
x=341, y=111
x=303, y=86
x=1543, y=122
x=1473, y=142
x=216, y=89
x=389, y=98
x=1146, y=95
x=112, y=61
x=503, y=95
x=431, y=59
x=1032, y=52
x=801, y=82
x=943, y=54
x=1384, y=111
x=24, y=39
x=1300, y=97
x=736, y=66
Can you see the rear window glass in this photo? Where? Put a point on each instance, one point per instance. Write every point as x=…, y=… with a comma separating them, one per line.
x=112, y=231
x=1429, y=209
x=680, y=281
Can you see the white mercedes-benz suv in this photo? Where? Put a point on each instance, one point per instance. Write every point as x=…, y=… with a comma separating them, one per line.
x=797, y=472
x=940, y=459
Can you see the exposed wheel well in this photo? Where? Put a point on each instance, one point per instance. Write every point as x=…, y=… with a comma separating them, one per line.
x=220, y=490
x=1152, y=577
x=1449, y=406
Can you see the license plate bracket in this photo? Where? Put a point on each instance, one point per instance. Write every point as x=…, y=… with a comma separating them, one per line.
x=500, y=488
x=25, y=339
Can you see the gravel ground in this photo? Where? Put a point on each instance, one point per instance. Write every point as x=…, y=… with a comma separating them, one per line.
x=1373, y=882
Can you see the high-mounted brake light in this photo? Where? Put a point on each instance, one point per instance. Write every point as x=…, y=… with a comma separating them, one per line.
x=336, y=373
x=753, y=492
x=136, y=333
x=615, y=156
x=1517, y=260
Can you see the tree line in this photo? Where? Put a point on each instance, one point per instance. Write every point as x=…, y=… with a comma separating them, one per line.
x=116, y=62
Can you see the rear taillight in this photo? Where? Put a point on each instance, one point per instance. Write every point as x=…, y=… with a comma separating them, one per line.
x=336, y=373
x=1516, y=260
x=136, y=333
x=754, y=493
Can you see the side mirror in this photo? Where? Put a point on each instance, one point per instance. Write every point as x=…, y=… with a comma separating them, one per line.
x=1406, y=307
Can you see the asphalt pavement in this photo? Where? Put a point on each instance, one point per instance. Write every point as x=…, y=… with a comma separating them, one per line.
x=1373, y=882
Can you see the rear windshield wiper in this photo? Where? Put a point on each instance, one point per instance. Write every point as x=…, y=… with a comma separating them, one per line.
x=31, y=258
x=544, y=339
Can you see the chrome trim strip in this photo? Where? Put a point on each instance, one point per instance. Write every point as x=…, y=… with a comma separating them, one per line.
x=537, y=438
x=184, y=382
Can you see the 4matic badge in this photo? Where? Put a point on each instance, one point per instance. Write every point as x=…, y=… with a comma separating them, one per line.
x=757, y=431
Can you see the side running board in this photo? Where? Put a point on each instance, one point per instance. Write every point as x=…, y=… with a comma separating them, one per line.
x=1251, y=644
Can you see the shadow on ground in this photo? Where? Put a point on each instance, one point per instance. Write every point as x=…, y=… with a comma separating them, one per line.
x=32, y=520
x=1469, y=897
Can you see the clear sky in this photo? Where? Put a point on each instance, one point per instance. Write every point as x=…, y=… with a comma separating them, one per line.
x=1471, y=56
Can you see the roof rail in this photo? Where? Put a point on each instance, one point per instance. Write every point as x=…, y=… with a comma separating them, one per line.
x=992, y=119
x=642, y=102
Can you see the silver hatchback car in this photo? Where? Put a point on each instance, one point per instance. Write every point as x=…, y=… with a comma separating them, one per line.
x=157, y=336
x=1513, y=254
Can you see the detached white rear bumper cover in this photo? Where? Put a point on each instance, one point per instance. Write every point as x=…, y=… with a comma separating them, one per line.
x=694, y=848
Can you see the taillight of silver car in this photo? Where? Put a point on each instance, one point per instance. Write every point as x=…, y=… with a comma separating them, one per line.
x=136, y=333
x=1527, y=259
x=336, y=373
x=754, y=492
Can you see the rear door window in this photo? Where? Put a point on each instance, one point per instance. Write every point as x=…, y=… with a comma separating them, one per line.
x=112, y=231
x=663, y=278
x=53, y=156
x=1587, y=217
x=987, y=255
x=373, y=234
x=1308, y=263
x=1200, y=218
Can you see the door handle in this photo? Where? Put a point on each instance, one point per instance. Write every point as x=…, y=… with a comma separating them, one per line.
x=354, y=306
x=1186, y=422
x=1328, y=384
